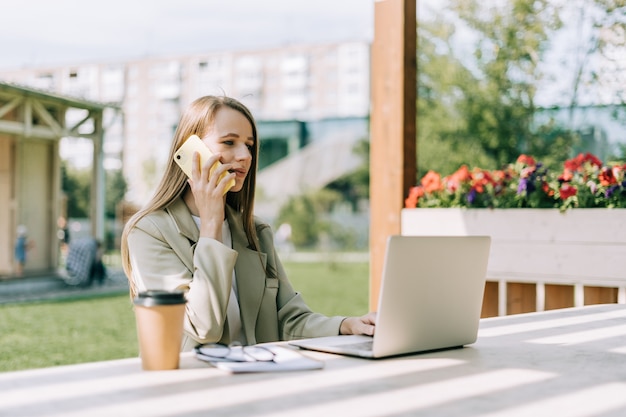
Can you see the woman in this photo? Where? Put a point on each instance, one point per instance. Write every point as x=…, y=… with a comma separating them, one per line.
x=199, y=236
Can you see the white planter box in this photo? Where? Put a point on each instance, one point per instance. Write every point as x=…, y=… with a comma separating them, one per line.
x=581, y=247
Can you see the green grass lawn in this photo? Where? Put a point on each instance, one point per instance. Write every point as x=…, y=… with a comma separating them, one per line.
x=333, y=289
x=38, y=335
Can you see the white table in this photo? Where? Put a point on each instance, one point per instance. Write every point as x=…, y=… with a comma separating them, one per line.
x=569, y=362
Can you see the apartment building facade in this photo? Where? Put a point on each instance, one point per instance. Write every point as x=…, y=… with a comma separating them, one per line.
x=298, y=82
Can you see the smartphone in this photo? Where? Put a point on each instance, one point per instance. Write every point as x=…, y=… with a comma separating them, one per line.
x=184, y=157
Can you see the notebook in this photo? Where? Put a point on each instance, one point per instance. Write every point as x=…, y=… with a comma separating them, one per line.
x=284, y=359
x=430, y=298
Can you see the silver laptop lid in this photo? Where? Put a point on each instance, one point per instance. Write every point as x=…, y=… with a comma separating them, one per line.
x=431, y=293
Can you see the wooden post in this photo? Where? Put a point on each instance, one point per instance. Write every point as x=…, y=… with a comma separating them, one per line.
x=393, y=125
x=98, y=181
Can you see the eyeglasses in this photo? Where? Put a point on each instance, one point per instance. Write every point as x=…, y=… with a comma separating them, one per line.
x=234, y=352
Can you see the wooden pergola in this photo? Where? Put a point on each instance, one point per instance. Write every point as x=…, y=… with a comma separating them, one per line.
x=393, y=158
x=32, y=122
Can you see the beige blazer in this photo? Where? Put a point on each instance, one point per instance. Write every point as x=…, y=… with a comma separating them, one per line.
x=167, y=253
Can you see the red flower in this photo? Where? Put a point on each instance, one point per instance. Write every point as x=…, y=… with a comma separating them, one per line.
x=593, y=160
x=566, y=176
x=481, y=178
x=415, y=193
x=453, y=182
x=607, y=176
x=576, y=164
x=432, y=182
x=567, y=191
x=526, y=183
x=526, y=159
x=546, y=189
x=498, y=175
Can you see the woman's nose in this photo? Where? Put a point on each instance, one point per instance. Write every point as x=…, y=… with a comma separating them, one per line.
x=243, y=153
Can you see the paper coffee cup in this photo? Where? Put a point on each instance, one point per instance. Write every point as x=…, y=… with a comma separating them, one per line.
x=159, y=315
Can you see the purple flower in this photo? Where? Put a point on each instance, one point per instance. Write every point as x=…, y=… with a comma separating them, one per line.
x=525, y=185
x=610, y=191
x=471, y=196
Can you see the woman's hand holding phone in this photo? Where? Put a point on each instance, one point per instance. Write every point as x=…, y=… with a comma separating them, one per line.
x=208, y=188
x=209, y=181
x=184, y=158
x=211, y=174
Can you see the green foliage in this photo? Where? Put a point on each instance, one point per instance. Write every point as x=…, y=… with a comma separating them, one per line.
x=499, y=102
x=604, y=22
x=76, y=184
x=480, y=111
x=309, y=214
x=304, y=213
x=77, y=187
x=300, y=214
x=115, y=190
x=355, y=186
x=442, y=79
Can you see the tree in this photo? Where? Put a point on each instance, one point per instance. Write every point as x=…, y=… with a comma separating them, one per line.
x=481, y=65
x=307, y=214
x=115, y=190
x=77, y=187
x=354, y=187
x=76, y=184
x=597, y=54
x=310, y=215
x=499, y=103
x=443, y=144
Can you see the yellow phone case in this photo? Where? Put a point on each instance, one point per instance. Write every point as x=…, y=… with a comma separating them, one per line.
x=184, y=157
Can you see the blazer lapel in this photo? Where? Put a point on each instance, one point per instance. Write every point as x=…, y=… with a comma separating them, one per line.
x=250, y=273
x=181, y=216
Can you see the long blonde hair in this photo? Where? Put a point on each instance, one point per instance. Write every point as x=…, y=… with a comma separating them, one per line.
x=197, y=119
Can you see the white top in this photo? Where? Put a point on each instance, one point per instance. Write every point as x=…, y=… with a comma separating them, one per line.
x=233, y=312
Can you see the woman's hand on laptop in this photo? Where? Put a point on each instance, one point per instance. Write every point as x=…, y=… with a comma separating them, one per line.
x=359, y=325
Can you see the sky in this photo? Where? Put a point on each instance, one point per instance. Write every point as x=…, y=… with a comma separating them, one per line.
x=40, y=33
x=35, y=33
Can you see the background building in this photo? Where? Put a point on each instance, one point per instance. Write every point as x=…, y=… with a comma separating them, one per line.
x=296, y=93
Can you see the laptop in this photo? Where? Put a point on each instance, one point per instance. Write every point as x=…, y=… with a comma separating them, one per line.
x=430, y=298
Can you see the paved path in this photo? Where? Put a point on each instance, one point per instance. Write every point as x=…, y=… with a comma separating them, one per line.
x=52, y=287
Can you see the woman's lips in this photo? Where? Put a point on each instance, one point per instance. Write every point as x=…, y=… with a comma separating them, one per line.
x=240, y=173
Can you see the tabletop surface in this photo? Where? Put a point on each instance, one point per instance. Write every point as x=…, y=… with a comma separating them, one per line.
x=569, y=362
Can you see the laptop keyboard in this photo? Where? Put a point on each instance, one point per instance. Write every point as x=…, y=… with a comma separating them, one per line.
x=358, y=346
